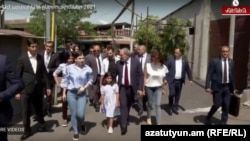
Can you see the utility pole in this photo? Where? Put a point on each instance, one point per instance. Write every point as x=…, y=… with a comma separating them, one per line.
x=48, y=21
x=1, y=14
x=132, y=26
x=118, y=16
x=147, y=26
x=53, y=22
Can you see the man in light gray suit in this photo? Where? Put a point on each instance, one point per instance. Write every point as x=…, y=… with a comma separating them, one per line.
x=130, y=81
x=144, y=58
x=95, y=62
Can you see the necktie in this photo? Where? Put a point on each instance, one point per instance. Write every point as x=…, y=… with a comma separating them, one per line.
x=225, y=71
x=126, y=75
x=99, y=64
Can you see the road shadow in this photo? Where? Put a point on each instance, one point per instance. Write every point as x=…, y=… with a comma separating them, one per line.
x=144, y=119
x=168, y=110
x=49, y=126
x=202, y=119
x=104, y=122
x=89, y=126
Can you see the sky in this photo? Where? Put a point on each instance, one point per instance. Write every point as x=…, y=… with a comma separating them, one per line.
x=107, y=10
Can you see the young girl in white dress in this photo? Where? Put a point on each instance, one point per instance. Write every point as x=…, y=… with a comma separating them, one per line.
x=109, y=99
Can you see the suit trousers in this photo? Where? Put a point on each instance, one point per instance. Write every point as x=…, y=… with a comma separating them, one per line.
x=221, y=98
x=27, y=100
x=126, y=101
x=174, y=94
x=94, y=92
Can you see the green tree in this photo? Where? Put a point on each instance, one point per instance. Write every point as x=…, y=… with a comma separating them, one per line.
x=174, y=36
x=88, y=27
x=67, y=19
x=147, y=33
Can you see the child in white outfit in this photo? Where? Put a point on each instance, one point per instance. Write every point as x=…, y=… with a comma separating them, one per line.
x=109, y=99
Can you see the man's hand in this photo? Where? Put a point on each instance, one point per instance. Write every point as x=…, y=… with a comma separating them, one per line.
x=81, y=90
x=48, y=92
x=18, y=96
x=140, y=93
x=208, y=91
x=64, y=97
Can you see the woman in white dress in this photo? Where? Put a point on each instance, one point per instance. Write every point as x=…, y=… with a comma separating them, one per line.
x=109, y=99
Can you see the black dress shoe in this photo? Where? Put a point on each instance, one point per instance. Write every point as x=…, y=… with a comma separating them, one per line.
x=25, y=136
x=42, y=128
x=140, y=112
x=208, y=122
x=97, y=108
x=175, y=111
x=123, y=131
x=222, y=123
x=49, y=114
x=35, y=118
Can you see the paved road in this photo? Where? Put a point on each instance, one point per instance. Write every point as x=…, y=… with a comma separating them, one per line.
x=194, y=101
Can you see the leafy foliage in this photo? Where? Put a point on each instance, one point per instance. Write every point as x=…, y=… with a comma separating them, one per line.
x=67, y=19
x=174, y=35
x=146, y=33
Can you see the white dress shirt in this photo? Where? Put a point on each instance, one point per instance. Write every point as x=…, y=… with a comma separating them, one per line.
x=98, y=67
x=123, y=75
x=47, y=57
x=142, y=59
x=222, y=63
x=178, y=68
x=33, y=61
x=105, y=65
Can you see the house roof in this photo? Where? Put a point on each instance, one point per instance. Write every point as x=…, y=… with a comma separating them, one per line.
x=17, y=21
x=187, y=4
x=115, y=24
x=8, y=32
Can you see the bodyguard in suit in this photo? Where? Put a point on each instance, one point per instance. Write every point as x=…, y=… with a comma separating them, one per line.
x=220, y=83
x=7, y=74
x=130, y=81
x=178, y=68
x=51, y=61
x=95, y=62
x=144, y=58
x=31, y=69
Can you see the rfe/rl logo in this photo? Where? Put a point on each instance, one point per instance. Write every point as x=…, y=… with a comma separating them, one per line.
x=235, y=3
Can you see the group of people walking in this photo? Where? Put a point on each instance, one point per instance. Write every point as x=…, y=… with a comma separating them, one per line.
x=112, y=83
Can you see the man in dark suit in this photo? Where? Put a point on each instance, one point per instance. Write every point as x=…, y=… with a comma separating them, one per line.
x=130, y=81
x=51, y=61
x=31, y=69
x=7, y=74
x=220, y=83
x=178, y=68
x=144, y=58
x=95, y=62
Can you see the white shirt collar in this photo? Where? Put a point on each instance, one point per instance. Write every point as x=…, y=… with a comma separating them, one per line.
x=30, y=56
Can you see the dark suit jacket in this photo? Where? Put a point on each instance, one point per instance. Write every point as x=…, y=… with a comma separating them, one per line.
x=7, y=74
x=214, y=75
x=90, y=60
x=54, y=62
x=148, y=59
x=136, y=74
x=31, y=79
x=171, y=68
